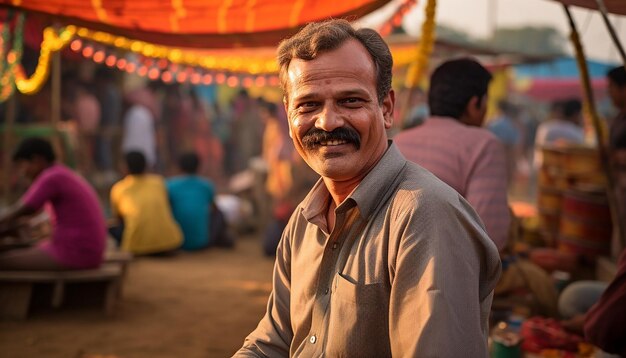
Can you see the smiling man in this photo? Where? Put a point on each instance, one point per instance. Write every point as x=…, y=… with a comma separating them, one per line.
x=381, y=258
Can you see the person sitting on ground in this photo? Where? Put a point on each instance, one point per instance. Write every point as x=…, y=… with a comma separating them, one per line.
x=79, y=235
x=139, y=201
x=452, y=145
x=191, y=197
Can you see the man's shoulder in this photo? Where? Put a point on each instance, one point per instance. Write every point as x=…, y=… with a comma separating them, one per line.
x=422, y=185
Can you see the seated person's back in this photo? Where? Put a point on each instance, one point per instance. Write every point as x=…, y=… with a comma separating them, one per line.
x=191, y=197
x=140, y=201
x=452, y=145
x=79, y=234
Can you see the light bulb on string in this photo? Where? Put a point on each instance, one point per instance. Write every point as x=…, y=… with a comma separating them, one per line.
x=98, y=57
x=260, y=81
x=88, y=51
x=233, y=81
x=207, y=79
x=153, y=74
x=181, y=77
x=220, y=78
x=121, y=63
x=76, y=45
x=110, y=60
x=196, y=78
x=131, y=67
x=248, y=82
x=166, y=76
x=142, y=71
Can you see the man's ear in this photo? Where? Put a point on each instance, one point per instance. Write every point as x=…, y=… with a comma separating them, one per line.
x=388, y=106
x=473, y=105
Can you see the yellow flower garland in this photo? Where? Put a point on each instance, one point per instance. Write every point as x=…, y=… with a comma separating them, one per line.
x=424, y=47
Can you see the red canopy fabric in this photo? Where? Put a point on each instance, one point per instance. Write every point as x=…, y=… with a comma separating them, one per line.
x=197, y=23
x=613, y=6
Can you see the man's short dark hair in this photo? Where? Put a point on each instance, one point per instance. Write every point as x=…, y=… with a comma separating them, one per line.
x=189, y=162
x=136, y=162
x=33, y=147
x=617, y=75
x=571, y=108
x=320, y=37
x=453, y=84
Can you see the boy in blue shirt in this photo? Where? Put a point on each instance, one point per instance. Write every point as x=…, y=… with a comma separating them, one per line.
x=191, y=197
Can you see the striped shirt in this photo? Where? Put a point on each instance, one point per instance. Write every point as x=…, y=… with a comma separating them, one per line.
x=469, y=159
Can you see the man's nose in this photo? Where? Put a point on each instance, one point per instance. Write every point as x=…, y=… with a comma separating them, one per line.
x=329, y=119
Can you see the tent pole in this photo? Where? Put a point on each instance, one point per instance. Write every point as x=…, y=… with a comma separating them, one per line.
x=611, y=29
x=8, y=145
x=614, y=205
x=55, y=100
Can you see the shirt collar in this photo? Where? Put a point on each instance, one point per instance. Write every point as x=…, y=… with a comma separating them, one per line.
x=366, y=195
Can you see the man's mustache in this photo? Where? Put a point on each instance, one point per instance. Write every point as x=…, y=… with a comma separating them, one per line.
x=314, y=136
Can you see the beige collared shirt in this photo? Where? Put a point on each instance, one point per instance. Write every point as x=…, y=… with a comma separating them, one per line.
x=408, y=271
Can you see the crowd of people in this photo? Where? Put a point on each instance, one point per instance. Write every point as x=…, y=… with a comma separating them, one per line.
x=390, y=246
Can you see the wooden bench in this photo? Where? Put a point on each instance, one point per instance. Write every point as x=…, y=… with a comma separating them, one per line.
x=122, y=258
x=16, y=287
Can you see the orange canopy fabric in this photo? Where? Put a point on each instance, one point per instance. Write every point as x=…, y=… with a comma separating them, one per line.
x=613, y=6
x=197, y=23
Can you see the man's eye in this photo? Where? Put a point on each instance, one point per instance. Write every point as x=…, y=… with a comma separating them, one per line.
x=306, y=107
x=352, y=101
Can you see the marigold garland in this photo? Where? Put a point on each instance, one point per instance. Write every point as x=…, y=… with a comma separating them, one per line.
x=424, y=47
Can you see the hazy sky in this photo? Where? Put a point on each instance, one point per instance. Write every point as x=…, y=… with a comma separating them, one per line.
x=473, y=16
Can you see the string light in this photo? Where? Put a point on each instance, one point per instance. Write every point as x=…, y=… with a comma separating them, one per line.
x=183, y=57
x=232, y=81
x=110, y=60
x=153, y=74
x=207, y=79
x=260, y=81
x=98, y=57
x=121, y=63
x=76, y=45
x=166, y=76
x=131, y=67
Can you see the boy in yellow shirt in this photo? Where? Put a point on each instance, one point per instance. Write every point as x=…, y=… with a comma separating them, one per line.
x=140, y=202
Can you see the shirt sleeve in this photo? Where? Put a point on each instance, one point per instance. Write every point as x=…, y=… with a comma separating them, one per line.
x=41, y=191
x=273, y=335
x=442, y=284
x=605, y=323
x=487, y=191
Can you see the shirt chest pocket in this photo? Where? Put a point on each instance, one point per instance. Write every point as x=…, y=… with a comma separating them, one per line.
x=358, y=324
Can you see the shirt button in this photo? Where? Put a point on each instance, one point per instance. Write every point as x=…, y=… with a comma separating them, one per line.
x=313, y=339
x=334, y=245
x=326, y=291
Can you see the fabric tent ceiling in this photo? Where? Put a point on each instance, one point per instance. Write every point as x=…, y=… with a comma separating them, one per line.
x=196, y=23
x=613, y=6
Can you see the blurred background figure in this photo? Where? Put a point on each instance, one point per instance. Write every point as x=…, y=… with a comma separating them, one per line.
x=506, y=128
x=191, y=198
x=108, y=95
x=562, y=128
x=79, y=232
x=143, y=221
x=139, y=133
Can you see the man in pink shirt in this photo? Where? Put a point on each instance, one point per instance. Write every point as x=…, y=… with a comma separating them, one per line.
x=452, y=145
x=79, y=234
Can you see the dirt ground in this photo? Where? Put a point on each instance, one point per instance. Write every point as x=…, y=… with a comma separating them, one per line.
x=190, y=305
